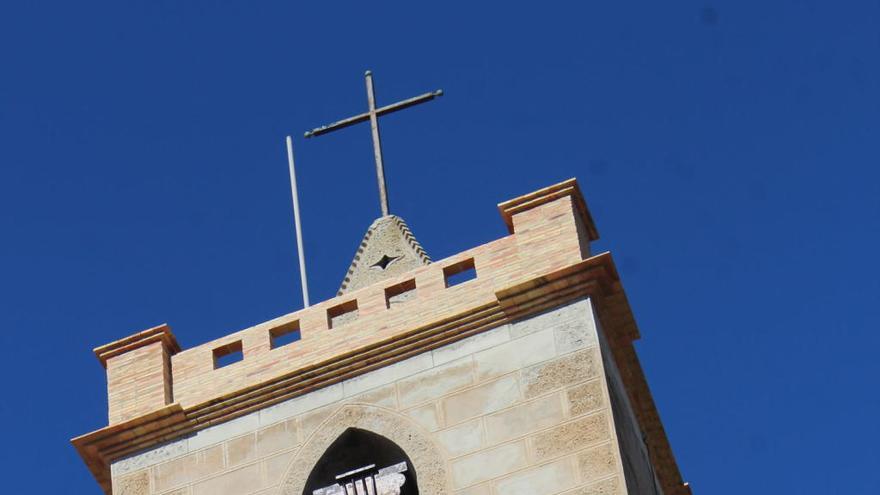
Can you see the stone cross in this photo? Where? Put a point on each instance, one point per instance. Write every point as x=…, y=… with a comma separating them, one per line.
x=387, y=481
x=372, y=114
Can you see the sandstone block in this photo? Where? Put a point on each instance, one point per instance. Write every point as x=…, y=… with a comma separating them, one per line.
x=470, y=345
x=388, y=374
x=275, y=467
x=523, y=419
x=426, y=415
x=597, y=462
x=241, y=481
x=462, y=439
x=578, y=332
x=488, y=464
x=561, y=372
x=483, y=399
x=150, y=458
x=188, y=468
x=280, y=436
x=301, y=404
x=385, y=396
x=241, y=450
x=571, y=315
x=585, y=398
x=547, y=479
x=137, y=483
x=436, y=382
x=310, y=421
x=514, y=355
x=222, y=432
x=571, y=436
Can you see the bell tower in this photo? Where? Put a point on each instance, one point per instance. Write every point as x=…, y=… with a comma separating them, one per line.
x=518, y=378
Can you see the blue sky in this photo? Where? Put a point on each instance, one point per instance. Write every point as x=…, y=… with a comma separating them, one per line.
x=729, y=152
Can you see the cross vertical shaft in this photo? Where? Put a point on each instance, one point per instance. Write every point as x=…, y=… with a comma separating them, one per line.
x=377, y=144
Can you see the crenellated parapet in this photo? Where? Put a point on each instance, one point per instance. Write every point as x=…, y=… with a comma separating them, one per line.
x=158, y=393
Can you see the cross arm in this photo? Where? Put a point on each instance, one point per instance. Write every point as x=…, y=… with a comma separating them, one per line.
x=394, y=107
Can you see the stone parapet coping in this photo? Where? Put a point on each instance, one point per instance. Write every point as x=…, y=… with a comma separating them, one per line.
x=568, y=187
x=161, y=333
x=594, y=277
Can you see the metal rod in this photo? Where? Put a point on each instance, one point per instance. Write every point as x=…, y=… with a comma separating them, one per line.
x=377, y=145
x=357, y=119
x=296, y=221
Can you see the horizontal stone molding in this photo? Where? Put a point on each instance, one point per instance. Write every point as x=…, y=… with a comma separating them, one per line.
x=529, y=201
x=161, y=333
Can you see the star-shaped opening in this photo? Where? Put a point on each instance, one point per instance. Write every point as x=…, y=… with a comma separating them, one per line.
x=386, y=260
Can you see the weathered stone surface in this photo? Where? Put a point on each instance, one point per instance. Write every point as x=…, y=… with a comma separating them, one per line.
x=585, y=398
x=483, y=489
x=435, y=382
x=571, y=436
x=133, y=484
x=546, y=479
x=222, y=432
x=276, y=466
x=293, y=407
x=246, y=479
x=514, y=355
x=572, y=315
x=309, y=422
x=388, y=374
x=150, y=457
x=480, y=400
x=281, y=436
x=462, y=439
x=561, y=372
x=385, y=396
x=425, y=415
x=597, y=462
x=471, y=345
x=241, y=450
x=610, y=486
x=188, y=468
x=579, y=331
x=488, y=464
x=524, y=418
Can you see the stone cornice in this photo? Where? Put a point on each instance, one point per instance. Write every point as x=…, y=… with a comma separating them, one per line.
x=569, y=187
x=161, y=333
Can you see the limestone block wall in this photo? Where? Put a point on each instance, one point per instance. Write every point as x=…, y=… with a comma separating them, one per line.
x=523, y=408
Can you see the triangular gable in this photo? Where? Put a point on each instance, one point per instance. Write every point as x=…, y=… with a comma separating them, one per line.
x=387, y=250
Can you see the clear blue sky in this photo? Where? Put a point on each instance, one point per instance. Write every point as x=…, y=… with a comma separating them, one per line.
x=729, y=152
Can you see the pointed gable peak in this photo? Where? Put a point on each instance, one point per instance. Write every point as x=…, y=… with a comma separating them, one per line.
x=387, y=250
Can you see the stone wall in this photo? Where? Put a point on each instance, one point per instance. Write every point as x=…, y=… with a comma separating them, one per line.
x=520, y=409
x=637, y=467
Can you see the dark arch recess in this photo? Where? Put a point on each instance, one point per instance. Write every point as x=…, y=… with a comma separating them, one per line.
x=356, y=448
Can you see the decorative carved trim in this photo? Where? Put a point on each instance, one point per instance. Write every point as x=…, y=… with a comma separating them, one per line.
x=427, y=458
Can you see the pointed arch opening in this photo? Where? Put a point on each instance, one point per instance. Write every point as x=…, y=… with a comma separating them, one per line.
x=360, y=462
